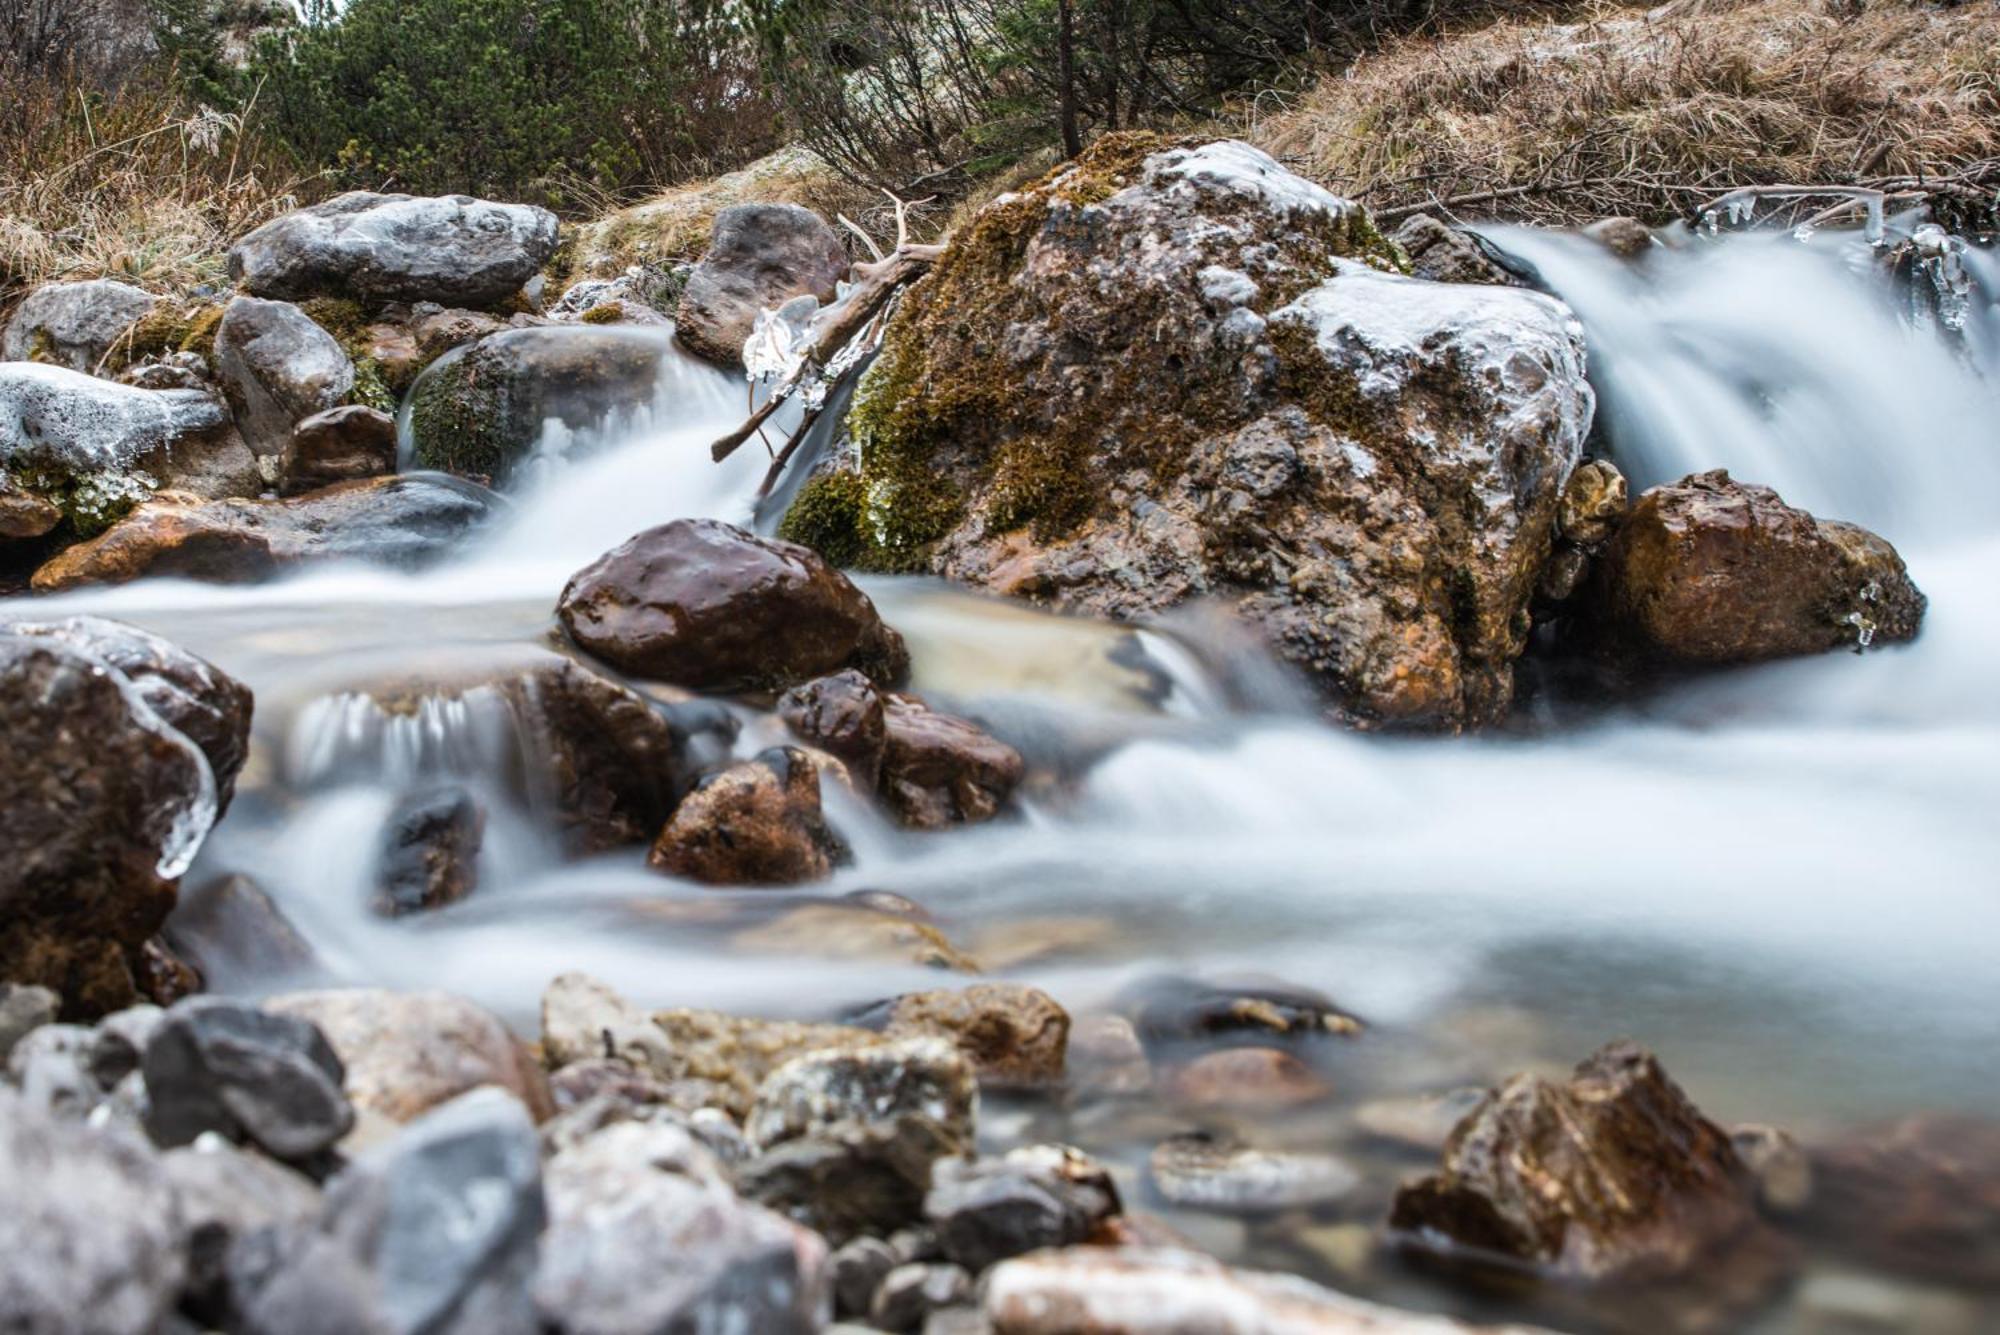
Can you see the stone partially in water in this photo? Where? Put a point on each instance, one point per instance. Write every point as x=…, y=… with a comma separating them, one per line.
x=1445, y=254
x=1710, y=571
x=911, y=1294
x=708, y=606
x=430, y=853
x=216, y=1065
x=842, y=715
x=453, y=249
x=1613, y=1176
x=756, y=823
x=278, y=368
x=1199, y=1172
x=344, y=444
x=1921, y=1195
x=759, y=257
x=939, y=769
x=1247, y=1079
x=401, y=522
x=855, y=932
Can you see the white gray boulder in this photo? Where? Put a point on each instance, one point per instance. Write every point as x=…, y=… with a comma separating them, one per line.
x=452, y=249
x=759, y=256
x=73, y=324
x=278, y=368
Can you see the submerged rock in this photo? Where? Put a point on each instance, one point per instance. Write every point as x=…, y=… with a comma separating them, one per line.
x=73, y=324
x=105, y=805
x=1921, y=1195
x=344, y=444
x=708, y=606
x=229, y=930
x=1168, y=371
x=1246, y=1079
x=430, y=853
x=92, y=1229
x=278, y=368
x=1611, y=1176
x=454, y=249
x=756, y=823
x=855, y=931
x=394, y=521
x=1170, y=1010
x=484, y=411
x=216, y=1065
x=759, y=257
x=1710, y=571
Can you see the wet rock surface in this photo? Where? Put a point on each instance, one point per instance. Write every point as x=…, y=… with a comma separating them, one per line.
x=453, y=249
x=278, y=368
x=940, y=770
x=73, y=324
x=430, y=853
x=1015, y=1036
x=756, y=823
x=215, y=1065
x=843, y=716
x=230, y=928
x=345, y=444
x=759, y=257
x=711, y=607
x=401, y=522
x=1710, y=571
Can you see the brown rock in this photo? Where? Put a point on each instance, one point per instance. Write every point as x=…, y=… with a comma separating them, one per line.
x=1781, y=1166
x=756, y=823
x=1708, y=570
x=1445, y=254
x=1592, y=503
x=759, y=256
x=708, y=606
x=1014, y=1035
x=407, y=1052
x=339, y=445
x=1921, y=1195
x=1246, y=1079
x=843, y=716
x=397, y=521
x=1612, y=1176
x=1627, y=238
x=24, y=514
x=939, y=770
x=430, y=856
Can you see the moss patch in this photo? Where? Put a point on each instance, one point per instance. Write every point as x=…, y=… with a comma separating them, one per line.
x=169, y=327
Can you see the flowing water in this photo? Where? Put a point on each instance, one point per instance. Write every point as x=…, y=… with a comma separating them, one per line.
x=1786, y=880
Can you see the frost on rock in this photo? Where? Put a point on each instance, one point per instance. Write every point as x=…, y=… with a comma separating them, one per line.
x=71, y=423
x=1233, y=166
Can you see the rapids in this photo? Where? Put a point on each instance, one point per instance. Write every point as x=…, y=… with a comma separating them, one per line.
x=1784, y=879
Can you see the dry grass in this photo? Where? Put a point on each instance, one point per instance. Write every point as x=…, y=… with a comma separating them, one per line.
x=1619, y=113
x=135, y=184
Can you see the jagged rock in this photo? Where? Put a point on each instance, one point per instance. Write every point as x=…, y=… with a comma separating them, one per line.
x=1593, y=503
x=91, y=1230
x=430, y=853
x=711, y=607
x=407, y=1052
x=278, y=368
x=756, y=823
x=759, y=257
x=1107, y=1291
x=939, y=769
x=432, y=1232
x=73, y=324
x=189, y=694
x=1444, y=254
x=1034, y=1197
x=225, y=1193
x=1014, y=1035
x=910, y=1294
x=106, y=803
x=1611, y=1176
x=481, y=413
x=843, y=716
x=1920, y=1195
x=1168, y=372
x=1200, y=1172
x=24, y=1008
x=229, y=929
x=453, y=249
x=645, y=1235
x=1710, y=571
x=342, y=444
x=393, y=521
x=218, y=1065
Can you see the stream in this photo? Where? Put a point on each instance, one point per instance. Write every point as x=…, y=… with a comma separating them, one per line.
x=1785, y=880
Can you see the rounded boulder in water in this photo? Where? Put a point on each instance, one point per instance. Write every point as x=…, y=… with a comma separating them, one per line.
x=708, y=606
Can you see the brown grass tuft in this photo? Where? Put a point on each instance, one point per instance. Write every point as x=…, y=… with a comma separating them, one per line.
x=1622, y=113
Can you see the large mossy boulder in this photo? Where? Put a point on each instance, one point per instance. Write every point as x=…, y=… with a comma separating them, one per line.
x=1168, y=371
x=482, y=412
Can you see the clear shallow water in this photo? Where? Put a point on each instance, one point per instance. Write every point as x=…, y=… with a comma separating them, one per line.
x=1785, y=879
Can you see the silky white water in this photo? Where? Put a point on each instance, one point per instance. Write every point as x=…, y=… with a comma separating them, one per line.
x=1786, y=879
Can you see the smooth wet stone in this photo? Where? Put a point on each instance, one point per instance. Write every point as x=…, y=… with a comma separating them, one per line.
x=430, y=853
x=408, y=1052
x=1106, y=1059
x=1200, y=1172
x=24, y=1008
x=452, y=249
x=857, y=1269
x=1613, y=1175
x=1126, y=1291
x=231, y=929
x=1712, y=571
x=711, y=607
x=759, y=822
x=1016, y=1036
x=73, y=324
x=842, y=715
x=277, y=368
x=90, y=1225
x=1920, y=1195
x=759, y=257
x=225, y=1193
x=910, y=1294
x=1592, y=504
x=940, y=770
x=988, y=1210
x=343, y=444
x=1627, y=238
x=105, y=803
x=1251, y=1079
x=433, y=1232
x=400, y=522
x=213, y=1064
x=842, y=932
x=646, y=1236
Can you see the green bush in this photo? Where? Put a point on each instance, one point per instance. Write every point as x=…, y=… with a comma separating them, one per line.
x=556, y=100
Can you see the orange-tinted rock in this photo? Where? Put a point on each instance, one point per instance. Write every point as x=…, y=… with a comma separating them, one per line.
x=1016, y=1036
x=755, y=823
